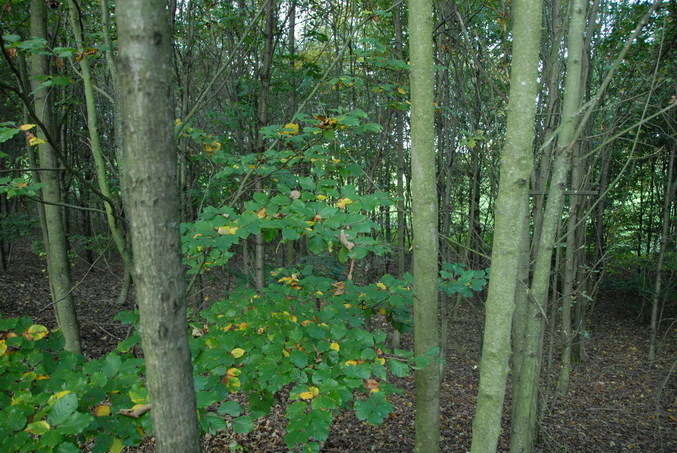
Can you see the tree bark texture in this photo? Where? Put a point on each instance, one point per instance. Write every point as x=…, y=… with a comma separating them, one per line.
x=424, y=223
x=525, y=401
x=510, y=212
x=56, y=246
x=152, y=202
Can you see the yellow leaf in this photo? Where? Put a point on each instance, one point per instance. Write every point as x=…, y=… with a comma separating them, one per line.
x=310, y=394
x=335, y=346
x=26, y=127
x=3, y=347
x=237, y=352
x=380, y=360
x=39, y=428
x=285, y=353
x=117, y=446
x=227, y=230
x=351, y=362
x=401, y=90
x=35, y=332
x=320, y=197
x=343, y=202
x=61, y=394
x=382, y=310
x=35, y=141
x=102, y=410
x=382, y=286
x=290, y=129
x=261, y=213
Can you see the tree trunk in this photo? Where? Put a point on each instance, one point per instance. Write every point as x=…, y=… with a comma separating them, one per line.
x=56, y=246
x=151, y=197
x=668, y=196
x=525, y=401
x=511, y=210
x=424, y=222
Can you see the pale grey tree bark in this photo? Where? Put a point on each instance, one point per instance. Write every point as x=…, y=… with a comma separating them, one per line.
x=151, y=197
x=424, y=223
x=510, y=213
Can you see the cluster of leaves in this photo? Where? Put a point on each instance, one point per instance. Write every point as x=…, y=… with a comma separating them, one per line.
x=302, y=343
x=54, y=400
x=456, y=279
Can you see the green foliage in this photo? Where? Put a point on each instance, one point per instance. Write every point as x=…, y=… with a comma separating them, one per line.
x=634, y=275
x=298, y=341
x=454, y=278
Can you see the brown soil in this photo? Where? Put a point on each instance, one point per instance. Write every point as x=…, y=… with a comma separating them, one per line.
x=618, y=401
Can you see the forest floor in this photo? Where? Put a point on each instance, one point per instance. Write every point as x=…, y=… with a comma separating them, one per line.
x=618, y=400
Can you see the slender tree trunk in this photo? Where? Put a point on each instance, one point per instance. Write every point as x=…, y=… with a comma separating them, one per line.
x=95, y=141
x=152, y=199
x=56, y=246
x=424, y=221
x=266, y=67
x=668, y=196
x=510, y=212
x=525, y=402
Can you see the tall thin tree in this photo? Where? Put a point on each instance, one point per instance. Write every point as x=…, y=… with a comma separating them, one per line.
x=152, y=201
x=424, y=223
x=511, y=210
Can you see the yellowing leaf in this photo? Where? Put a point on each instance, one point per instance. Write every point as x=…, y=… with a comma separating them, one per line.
x=3, y=348
x=290, y=129
x=102, y=410
x=335, y=346
x=59, y=395
x=382, y=311
x=382, y=286
x=138, y=397
x=380, y=360
x=401, y=90
x=310, y=394
x=35, y=332
x=285, y=353
x=261, y=213
x=26, y=127
x=38, y=428
x=21, y=185
x=117, y=446
x=227, y=230
x=237, y=352
x=320, y=197
x=351, y=362
x=35, y=141
x=343, y=202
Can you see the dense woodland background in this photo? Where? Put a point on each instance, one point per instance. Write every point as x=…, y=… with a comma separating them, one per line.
x=292, y=138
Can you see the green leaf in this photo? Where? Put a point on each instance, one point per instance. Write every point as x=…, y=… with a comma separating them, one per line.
x=7, y=133
x=230, y=408
x=243, y=425
x=374, y=409
x=398, y=368
x=63, y=409
x=298, y=358
x=67, y=447
x=76, y=423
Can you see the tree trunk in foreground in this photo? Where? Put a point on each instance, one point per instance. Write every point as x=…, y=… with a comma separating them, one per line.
x=424, y=223
x=511, y=210
x=152, y=200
